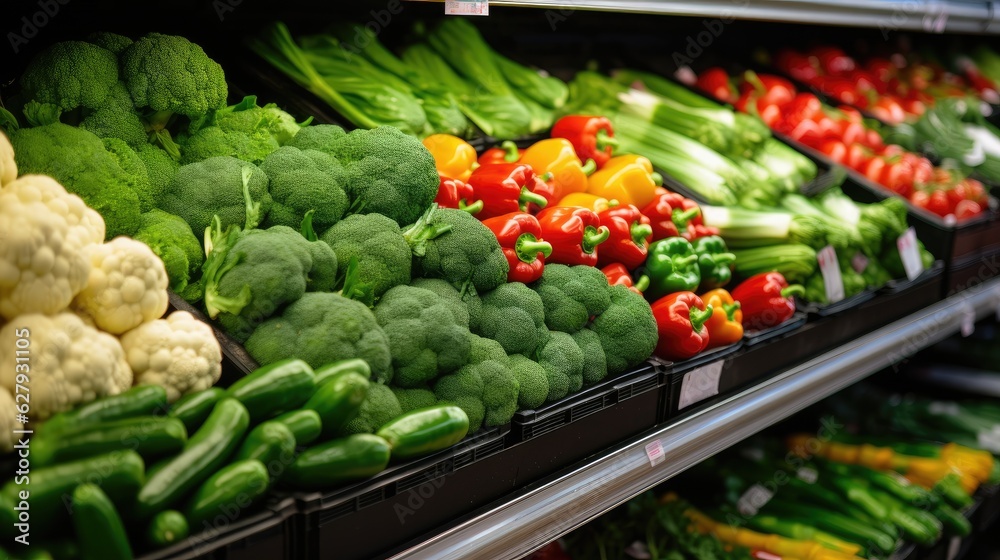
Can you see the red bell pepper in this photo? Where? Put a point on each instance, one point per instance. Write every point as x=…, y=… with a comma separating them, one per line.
x=506, y=187
x=690, y=226
x=770, y=89
x=766, y=300
x=520, y=236
x=680, y=323
x=715, y=82
x=592, y=137
x=618, y=275
x=574, y=233
x=453, y=193
x=666, y=219
x=629, y=239
x=507, y=152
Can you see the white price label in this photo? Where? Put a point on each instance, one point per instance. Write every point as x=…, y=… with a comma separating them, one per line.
x=944, y=408
x=466, y=7
x=968, y=321
x=990, y=441
x=753, y=499
x=654, y=450
x=909, y=253
x=954, y=545
x=859, y=262
x=805, y=474
x=686, y=75
x=830, y=268
x=700, y=384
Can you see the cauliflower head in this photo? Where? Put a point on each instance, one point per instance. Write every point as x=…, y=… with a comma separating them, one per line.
x=179, y=353
x=126, y=288
x=8, y=420
x=71, y=363
x=45, y=233
x=8, y=168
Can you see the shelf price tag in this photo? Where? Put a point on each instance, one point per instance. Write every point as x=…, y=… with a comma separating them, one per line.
x=935, y=17
x=753, y=499
x=909, y=253
x=859, y=262
x=654, y=451
x=968, y=325
x=830, y=268
x=467, y=7
x=954, y=546
x=700, y=384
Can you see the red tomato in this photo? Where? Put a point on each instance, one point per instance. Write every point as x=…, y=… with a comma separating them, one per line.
x=835, y=149
x=920, y=199
x=913, y=107
x=853, y=133
x=942, y=175
x=828, y=127
x=873, y=169
x=898, y=177
x=923, y=172
x=892, y=150
x=863, y=81
x=976, y=191
x=857, y=157
x=808, y=133
x=881, y=69
x=772, y=90
x=841, y=89
x=967, y=209
x=888, y=111
x=873, y=139
x=833, y=60
x=770, y=114
x=938, y=203
x=805, y=106
x=851, y=113
x=957, y=193
x=715, y=82
x=796, y=65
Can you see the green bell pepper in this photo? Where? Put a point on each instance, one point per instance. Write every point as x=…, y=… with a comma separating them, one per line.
x=672, y=266
x=713, y=262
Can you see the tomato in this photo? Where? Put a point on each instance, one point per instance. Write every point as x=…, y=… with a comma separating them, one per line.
x=808, y=133
x=772, y=90
x=881, y=70
x=833, y=60
x=942, y=175
x=827, y=127
x=715, y=82
x=888, y=110
x=892, y=150
x=852, y=133
x=898, y=177
x=770, y=114
x=967, y=209
x=873, y=169
x=957, y=193
x=923, y=172
x=863, y=81
x=835, y=149
x=805, y=106
x=841, y=89
x=857, y=157
x=920, y=199
x=913, y=107
x=796, y=65
x=975, y=191
x=873, y=139
x=852, y=114
x=938, y=203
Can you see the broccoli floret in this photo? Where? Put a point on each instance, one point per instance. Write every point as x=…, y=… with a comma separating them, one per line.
x=380, y=407
x=514, y=316
x=248, y=116
x=320, y=328
x=482, y=349
x=627, y=330
x=486, y=391
x=572, y=295
x=383, y=255
x=467, y=253
x=303, y=180
x=201, y=190
x=449, y=295
x=533, y=383
x=135, y=171
x=562, y=361
x=71, y=74
x=322, y=137
x=77, y=159
x=424, y=338
x=212, y=141
x=171, y=238
x=464, y=389
x=112, y=41
x=116, y=118
x=595, y=363
x=160, y=167
x=413, y=399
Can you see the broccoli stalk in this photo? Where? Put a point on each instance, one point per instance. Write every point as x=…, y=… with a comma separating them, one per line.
x=217, y=246
x=423, y=231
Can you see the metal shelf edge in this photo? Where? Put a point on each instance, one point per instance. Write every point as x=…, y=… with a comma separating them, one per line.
x=527, y=522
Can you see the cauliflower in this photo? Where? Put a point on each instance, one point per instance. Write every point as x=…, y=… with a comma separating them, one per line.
x=8, y=169
x=127, y=286
x=8, y=420
x=45, y=232
x=179, y=353
x=71, y=363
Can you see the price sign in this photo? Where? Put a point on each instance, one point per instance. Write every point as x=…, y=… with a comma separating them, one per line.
x=954, y=545
x=830, y=269
x=968, y=320
x=807, y=475
x=654, y=451
x=909, y=253
x=753, y=499
x=700, y=384
x=467, y=7
x=859, y=262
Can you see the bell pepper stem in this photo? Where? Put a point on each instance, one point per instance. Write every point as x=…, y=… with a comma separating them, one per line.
x=640, y=232
x=604, y=140
x=592, y=237
x=682, y=262
x=528, y=247
x=527, y=197
x=474, y=166
x=547, y=176
x=793, y=290
x=474, y=208
x=723, y=258
x=657, y=179
x=510, y=148
x=754, y=80
x=730, y=309
x=698, y=317
x=642, y=283
x=682, y=217
x=589, y=167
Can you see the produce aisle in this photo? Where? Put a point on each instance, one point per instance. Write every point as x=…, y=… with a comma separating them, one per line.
x=565, y=281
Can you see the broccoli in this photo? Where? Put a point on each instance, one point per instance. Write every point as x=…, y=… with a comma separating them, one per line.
x=171, y=238
x=466, y=253
x=449, y=295
x=514, y=316
x=116, y=118
x=273, y=266
x=248, y=116
x=486, y=391
x=627, y=330
x=77, y=159
x=112, y=41
x=412, y=399
x=379, y=407
x=322, y=137
x=159, y=167
x=250, y=146
x=572, y=295
x=70, y=75
x=321, y=328
x=482, y=349
x=387, y=171
x=424, y=338
x=533, y=383
x=135, y=171
x=214, y=187
x=595, y=363
x=562, y=361
x=303, y=180
x=383, y=254
x=464, y=389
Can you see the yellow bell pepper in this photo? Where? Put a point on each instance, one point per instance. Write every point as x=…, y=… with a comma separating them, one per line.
x=557, y=158
x=454, y=158
x=591, y=202
x=629, y=179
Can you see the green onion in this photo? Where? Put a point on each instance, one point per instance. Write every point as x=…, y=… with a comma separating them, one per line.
x=795, y=261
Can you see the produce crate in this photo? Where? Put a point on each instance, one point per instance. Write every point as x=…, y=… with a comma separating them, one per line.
x=692, y=384
x=236, y=361
x=972, y=270
x=404, y=501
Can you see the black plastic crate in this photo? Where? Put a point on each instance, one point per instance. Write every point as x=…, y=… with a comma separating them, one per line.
x=236, y=361
x=972, y=270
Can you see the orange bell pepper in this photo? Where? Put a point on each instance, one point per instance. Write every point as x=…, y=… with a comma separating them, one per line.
x=591, y=202
x=557, y=158
x=629, y=179
x=725, y=326
x=454, y=158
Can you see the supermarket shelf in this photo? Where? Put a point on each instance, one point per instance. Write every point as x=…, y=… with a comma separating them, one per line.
x=935, y=16
x=530, y=520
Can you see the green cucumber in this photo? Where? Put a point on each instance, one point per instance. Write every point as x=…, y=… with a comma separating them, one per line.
x=338, y=461
x=274, y=388
x=228, y=493
x=144, y=400
x=98, y=526
x=149, y=436
x=306, y=425
x=119, y=473
x=952, y=519
x=206, y=451
x=271, y=443
x=167, y=528
x=193, y=409
x=353, y=365
x=339, y=400
x=425, y=430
